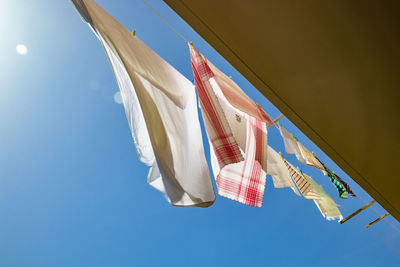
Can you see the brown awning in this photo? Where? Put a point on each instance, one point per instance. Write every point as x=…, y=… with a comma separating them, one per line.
x=332, y=67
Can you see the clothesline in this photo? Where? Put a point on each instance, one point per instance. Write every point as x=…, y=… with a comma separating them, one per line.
x=269, y=125
x=376, y=234
x=274, y=121
x=175, y=30
x=151, y=74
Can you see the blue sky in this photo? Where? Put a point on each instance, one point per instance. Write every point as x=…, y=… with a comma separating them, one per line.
x=73, y=193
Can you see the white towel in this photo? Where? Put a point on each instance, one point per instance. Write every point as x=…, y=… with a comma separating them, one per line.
x=160, y=104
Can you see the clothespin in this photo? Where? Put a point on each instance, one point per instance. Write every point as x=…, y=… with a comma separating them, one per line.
x=134, y=32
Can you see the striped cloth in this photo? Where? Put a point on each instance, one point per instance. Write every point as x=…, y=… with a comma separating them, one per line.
x=238, y=139
x=339, y=186
x=304, y=186
x=346, y=185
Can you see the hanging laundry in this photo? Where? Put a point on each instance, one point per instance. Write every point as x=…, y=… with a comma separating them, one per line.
x=311, y=190
x=279, y=172
x=236, y=129
x=290, y=143
x=304, y=186
x=346, y=185
x=244, y=181
x=160, y=104
x=339, y=186
x=343, y=188
x=309, y=157
x=292, y=146
x=325, y=203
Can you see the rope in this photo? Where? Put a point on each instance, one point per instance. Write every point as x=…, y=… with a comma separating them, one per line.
x=175, y=30
x=376, y=211
x=376, y=234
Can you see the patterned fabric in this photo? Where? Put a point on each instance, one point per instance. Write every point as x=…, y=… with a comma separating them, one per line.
x=292, y=146
x=339, y=186
x=311, y=190
x=343, y=188
x=238, y=140
x=245, y=181
x=304, y=186
x=219, y=132
x=346, y=185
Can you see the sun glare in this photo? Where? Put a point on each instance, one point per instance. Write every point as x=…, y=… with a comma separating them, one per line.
x=21, y=49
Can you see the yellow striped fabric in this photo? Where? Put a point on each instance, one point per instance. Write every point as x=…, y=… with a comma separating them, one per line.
x=304, y=186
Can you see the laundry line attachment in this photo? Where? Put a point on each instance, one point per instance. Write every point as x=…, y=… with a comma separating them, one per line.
x=357, y=212
x=276, y=120
x=377, y=220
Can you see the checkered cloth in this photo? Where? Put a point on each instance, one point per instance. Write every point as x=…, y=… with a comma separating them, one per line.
x=304, y=186
x=245, y=181
x=231, y=131
x=219, y=132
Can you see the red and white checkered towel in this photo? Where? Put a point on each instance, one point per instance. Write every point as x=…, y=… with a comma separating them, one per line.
x=238, y=140
x=245, y=181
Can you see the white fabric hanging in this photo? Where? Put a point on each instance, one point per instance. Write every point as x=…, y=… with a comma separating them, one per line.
x=160, y=104
x=279, y=172
x=292, y=146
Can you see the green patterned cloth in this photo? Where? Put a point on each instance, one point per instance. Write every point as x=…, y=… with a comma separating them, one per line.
x=342, y=187
x=339, y=186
